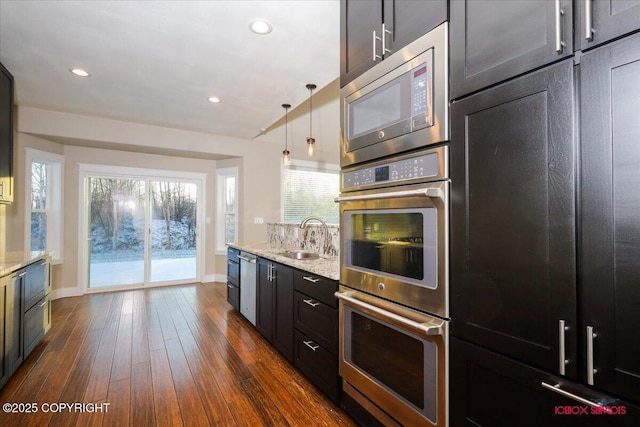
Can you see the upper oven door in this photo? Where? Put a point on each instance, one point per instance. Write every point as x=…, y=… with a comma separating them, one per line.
x=400, y=104
x=394, y=244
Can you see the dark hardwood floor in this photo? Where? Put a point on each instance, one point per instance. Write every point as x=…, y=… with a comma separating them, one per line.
x=167, y=356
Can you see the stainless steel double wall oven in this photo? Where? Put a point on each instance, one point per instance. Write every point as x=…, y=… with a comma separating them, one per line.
x=394, y=221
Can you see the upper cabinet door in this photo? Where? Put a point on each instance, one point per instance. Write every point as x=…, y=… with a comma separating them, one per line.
x=358, y=47
x=6, y=135
x=408, y=20
x=603, y=20
x=610, y=219
x=492, y=41
x=513, y=256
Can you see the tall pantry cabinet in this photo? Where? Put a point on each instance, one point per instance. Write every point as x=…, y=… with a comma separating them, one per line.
x=545, y=240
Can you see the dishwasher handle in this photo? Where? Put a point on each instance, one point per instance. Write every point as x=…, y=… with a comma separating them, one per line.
x=246, y=258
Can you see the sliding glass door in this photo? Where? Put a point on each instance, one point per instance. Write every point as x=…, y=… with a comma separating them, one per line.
x=141, y=231
x=173, y=230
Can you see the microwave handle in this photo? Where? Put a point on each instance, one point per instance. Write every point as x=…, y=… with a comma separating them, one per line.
x=427, y=329
x=435, y=193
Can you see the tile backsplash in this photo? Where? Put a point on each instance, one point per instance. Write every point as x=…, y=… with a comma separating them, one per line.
x=287, y=236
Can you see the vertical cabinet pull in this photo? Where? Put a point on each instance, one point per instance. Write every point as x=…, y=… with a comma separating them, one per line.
x=559, y=13
x=375, y=53
x=588, y=20
x=384, y=39
x=310, y=345
x=590, y=370
x=562, y=328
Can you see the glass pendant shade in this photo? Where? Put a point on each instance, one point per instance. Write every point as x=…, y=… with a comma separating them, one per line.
x=311, y=141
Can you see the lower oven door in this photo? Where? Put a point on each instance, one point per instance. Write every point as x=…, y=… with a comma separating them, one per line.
x=395, y=358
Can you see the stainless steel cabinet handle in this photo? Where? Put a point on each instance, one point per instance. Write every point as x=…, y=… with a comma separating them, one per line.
x=384, y=38
x=556, y=389
x=246, y=258
x=562, y=328
x=311, y=302
x=375, y=55
x=590, y=371
x=559, y=13
x=43, y=304
x=588, y=20
x=435, y=193
x=310, y=345
x=431, y=330
x=229, y=286
x=22, y=274
x=1, y=190
x=310, y=279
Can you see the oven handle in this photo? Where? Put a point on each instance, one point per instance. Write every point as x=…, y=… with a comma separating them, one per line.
x=430, y=330
x=435, y=193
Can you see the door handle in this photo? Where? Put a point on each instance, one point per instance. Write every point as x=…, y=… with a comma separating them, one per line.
x=558, y=23
x=435, y=193
x=311, y=302
x=375, y=54
x=588, y=20
x=311, y=279
x=384, y=38
x=246, y=258
x=556, y=389
x=590, y=370
x=562, y=328
x=310, y=345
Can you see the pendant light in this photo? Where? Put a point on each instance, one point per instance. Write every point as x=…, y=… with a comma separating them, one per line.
x=311, y=141
x=286, y=155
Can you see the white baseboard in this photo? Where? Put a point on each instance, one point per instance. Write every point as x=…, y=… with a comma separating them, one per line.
x=213, y=278
x=66, y=292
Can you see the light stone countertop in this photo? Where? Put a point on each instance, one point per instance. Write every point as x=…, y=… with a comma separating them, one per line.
x=14, y=261
x=325, y=266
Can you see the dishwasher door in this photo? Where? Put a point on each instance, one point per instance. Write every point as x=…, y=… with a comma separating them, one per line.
x=248, y=286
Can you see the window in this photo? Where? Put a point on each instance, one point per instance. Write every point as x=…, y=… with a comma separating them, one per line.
x=227, y=208
x=310, y=189
x=44, y=199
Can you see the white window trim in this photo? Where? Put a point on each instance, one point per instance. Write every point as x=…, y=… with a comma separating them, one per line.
x=302, y=164
x=87, y=170
x=55, y=185
x=222, y=173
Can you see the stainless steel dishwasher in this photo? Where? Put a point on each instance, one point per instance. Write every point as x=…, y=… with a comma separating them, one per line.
x=248, y=286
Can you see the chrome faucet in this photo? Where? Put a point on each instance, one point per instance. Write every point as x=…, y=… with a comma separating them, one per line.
x=327, y=244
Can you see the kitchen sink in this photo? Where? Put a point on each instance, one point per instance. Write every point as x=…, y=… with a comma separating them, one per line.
x=300, y=255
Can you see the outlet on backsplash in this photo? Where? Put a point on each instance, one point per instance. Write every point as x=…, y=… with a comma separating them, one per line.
x=287, y=236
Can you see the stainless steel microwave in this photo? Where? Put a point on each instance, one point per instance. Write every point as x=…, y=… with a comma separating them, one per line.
x=400, y=104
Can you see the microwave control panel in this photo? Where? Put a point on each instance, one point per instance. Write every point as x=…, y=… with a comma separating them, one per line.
x=419, y=168
x=419, y=90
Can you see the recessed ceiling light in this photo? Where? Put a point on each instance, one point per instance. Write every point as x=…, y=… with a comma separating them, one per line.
x=214, y=99
x=79, y=72
x=260, y=26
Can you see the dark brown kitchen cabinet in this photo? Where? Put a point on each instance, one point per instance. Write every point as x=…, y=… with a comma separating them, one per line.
x=6, y=135
x=609, y=216
x=315, y=319
x=274, y=310
x=233, y=278
x=489, y=389
x=599, y=21
x=492, y=41
x=513, y=245
x=11, y=322
x=364, y=24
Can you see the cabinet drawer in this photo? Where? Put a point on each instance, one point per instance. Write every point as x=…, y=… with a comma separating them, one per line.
x=233, y=296
x=35, y=283
x=488, y=389
x=37, y=322
x=316, y=287
x=316, y=320
x=232, y=254
x=317, y=364
x=233, y=272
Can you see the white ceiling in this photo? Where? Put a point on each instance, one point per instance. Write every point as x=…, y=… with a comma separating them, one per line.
x=157, y=62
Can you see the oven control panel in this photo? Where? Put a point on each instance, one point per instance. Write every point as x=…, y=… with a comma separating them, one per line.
x=425, y=167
